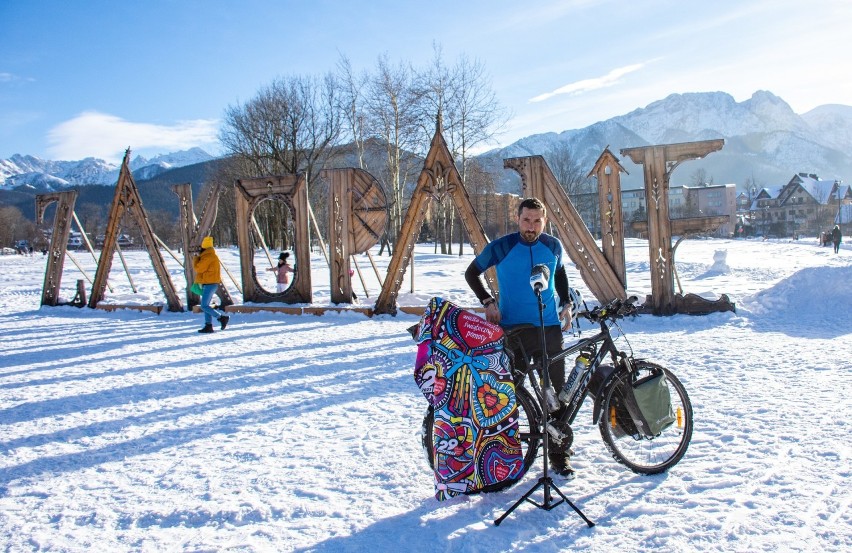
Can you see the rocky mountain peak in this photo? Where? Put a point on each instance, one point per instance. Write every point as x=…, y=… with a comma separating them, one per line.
x=765, y=139
x=51, y=175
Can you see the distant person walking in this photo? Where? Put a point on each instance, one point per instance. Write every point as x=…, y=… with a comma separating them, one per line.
x=208, y=273
x=282, y=272
x=836, y=238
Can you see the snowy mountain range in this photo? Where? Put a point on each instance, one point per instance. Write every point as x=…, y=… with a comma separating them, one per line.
x=764, y=139
x=765, y=142
x=42, y=174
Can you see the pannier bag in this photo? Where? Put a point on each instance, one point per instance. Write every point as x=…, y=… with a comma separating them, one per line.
x=650, y=404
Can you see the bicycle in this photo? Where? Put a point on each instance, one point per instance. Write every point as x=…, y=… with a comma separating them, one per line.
x=608, y=385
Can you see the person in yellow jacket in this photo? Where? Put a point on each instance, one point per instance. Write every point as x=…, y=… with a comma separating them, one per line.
x=208, y=274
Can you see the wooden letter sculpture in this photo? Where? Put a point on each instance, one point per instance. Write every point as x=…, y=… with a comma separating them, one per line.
x=127, y=199
x=58, y=241
x=292, y=190
x=192, y=232
x=438, y=177
x=658, y=163
x=357, y=216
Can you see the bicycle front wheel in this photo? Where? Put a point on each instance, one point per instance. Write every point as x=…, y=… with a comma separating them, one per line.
x=529, y=435
x=627, y=445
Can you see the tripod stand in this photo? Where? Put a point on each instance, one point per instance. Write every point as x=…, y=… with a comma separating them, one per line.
x=545, y=482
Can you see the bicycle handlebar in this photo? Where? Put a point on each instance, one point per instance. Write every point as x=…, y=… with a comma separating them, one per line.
x=616, y=309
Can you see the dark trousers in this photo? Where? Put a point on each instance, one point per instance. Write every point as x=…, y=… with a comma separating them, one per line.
x=528, y=340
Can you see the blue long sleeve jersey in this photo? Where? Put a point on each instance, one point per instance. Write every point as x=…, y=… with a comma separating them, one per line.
x=514, y=259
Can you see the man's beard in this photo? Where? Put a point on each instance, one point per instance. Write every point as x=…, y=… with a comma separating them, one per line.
x=530, y=235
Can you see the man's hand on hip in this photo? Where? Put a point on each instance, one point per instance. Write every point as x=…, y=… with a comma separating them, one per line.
x=492, y=313
x=567, y=315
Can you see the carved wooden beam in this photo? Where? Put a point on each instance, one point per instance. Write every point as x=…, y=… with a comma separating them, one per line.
x=596, y=272
x=339, y=229
x=607, y=171
x=58, y=241
x=692, y=225
x=192, y=232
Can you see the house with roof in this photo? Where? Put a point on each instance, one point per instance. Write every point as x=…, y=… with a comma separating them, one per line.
x=844, y=218
x=806, y=205
x=756, y=213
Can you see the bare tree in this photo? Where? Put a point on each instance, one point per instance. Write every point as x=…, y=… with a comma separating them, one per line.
x=752, y=187
x=390, y=103
x=165, y=227
x=825, y=210
x=700, y=178
x=475, y=116
x=356, y=122
x=567, y=171
x=93, y=218
x=351, y=106
x=289, y=127
x=483, y=190
x=470, y=113
x=14, y=226
x=571, y=177
x=226, y=174
x=434, y=85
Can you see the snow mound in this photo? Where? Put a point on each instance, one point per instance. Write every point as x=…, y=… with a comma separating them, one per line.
x=826, y=290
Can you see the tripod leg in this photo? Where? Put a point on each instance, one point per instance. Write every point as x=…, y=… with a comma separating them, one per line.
x=589, y=523
x=518, y=502
x=545, y=480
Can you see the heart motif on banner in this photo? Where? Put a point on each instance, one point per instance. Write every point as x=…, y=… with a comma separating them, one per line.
x=476, y=331
x=501, y=471
x=493, y=400
x=439, y=385
x=501, y=462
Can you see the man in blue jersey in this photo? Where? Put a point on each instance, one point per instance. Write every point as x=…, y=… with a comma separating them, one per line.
x=514, y=257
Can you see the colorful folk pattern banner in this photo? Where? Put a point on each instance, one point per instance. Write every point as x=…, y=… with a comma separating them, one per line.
x=463, y=371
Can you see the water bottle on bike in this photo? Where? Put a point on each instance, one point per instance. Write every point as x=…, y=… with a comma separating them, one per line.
x=573, y=381
x=551, y=398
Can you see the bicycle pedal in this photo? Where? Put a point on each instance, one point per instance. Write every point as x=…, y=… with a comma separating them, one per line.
x=558, y=431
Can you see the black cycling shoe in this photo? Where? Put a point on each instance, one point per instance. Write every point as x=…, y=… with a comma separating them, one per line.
x=565, y=471
x=559, y=462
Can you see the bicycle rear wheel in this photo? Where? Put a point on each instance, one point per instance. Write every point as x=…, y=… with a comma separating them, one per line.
x=529, y=435
x=626, y=444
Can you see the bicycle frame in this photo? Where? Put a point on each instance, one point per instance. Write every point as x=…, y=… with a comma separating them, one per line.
x=602, y=345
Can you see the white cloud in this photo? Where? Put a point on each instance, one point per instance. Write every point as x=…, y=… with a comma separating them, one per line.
x=587, y=85
x=104, y=136
x=12, y=78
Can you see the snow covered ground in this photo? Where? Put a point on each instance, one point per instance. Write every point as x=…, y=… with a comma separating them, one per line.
x=128, y=431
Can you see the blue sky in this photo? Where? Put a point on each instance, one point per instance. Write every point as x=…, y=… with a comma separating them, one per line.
x=91, y=78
